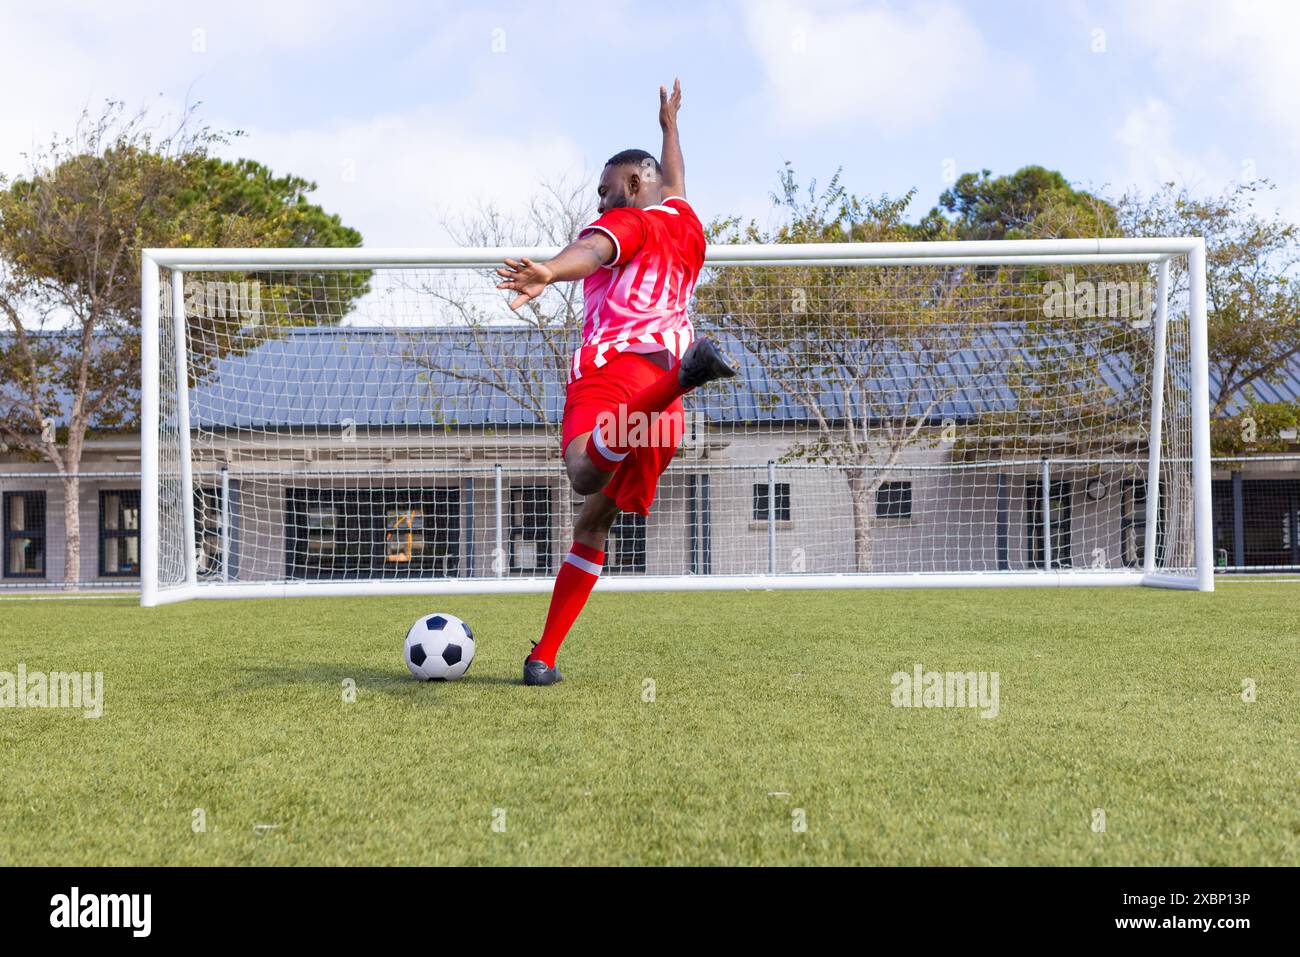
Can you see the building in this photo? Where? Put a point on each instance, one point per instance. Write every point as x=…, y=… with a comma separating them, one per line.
x=367, y=461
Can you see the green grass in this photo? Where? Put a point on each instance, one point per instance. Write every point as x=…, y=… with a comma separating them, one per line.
x=1127, y=700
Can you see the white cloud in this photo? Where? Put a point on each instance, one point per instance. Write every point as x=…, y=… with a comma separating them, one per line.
x=1241, y=51
x=408, y=164
x=394, y=177
x=57, y=59
x=892, y=70
x=1152, y=156
x=1233, y=57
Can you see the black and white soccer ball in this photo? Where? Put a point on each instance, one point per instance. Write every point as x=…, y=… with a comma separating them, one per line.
x=439, y=648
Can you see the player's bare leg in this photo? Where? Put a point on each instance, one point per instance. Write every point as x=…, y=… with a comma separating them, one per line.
x=594, y=519
x=577, y=577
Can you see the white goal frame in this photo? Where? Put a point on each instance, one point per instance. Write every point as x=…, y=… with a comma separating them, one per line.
x=1158, y=252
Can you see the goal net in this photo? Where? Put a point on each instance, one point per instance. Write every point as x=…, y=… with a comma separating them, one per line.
x=368, y=421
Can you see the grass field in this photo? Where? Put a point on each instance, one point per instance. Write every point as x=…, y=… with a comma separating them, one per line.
x=765, y=705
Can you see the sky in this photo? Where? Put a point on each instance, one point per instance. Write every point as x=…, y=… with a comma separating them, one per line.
x=409, y=115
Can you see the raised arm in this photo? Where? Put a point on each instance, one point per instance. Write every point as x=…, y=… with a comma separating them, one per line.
x=578, y=260
x=671, y=156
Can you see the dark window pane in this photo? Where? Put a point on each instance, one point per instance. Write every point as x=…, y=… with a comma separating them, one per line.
x=782, y=501
x=119, y=533
x=894, y=500
x=625, y=549
x=24, y=534
x=1133, y=522
x=1059, y=527
x=530, y=529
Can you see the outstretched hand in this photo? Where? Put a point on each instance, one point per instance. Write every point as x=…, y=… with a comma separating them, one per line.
x=669, y=105
x=525, y=277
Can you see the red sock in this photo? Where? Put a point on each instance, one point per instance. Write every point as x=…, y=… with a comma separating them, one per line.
x=603, y=450
x=573, y=584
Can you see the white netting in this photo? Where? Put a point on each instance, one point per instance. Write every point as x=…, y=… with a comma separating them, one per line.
x=398, y=423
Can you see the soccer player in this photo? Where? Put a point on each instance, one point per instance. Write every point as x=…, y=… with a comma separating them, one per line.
x=623, y=417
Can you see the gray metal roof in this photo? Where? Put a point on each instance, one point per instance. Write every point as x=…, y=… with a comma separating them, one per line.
x=318, y=377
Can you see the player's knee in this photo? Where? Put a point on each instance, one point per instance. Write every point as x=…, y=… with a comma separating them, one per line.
x=584, y=477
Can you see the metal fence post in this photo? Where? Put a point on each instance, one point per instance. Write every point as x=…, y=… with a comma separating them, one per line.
x=499, y=555
x=771, y=517
x=1047, y=516
x=225, y=523
x=1238, y=522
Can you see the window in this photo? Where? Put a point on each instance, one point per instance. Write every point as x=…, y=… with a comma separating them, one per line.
x=322, y=544
x=24, y=534
x=207, y=530
x=894, y=500
x=1060, y=523
x=373, y=533
x=1133, y=522
x=1268, y=521
x=782, y=502
x=625, y=549
x=530, y=529
x=119, y=533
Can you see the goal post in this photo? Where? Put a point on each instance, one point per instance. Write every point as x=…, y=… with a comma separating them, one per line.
x=949, y=414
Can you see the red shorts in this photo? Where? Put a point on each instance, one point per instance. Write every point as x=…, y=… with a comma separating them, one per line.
x=603, y=390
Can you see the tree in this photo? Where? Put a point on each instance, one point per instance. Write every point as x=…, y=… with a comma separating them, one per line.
x=868, y=356
x=1260, y=428
x=520, y=357
x=243, y=203
x=1055, y=368
x=1252, y=298
x=515, y=363
x=1031, y=203
x=71, y=232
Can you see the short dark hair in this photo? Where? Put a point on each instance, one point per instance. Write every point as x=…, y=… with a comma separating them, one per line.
x=633, y=158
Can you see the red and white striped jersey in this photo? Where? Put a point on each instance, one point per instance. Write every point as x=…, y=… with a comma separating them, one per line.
x=637, y=301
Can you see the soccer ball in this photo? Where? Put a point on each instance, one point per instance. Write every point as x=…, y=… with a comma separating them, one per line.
x=439, y=648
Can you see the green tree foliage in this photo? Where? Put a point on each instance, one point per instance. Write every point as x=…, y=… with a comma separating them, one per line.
x=1259, y=428
x=1031, y=203
x=863, y=356
x=1252, y=292
x=1082, y=333
x=71, y=231
x=243, y=203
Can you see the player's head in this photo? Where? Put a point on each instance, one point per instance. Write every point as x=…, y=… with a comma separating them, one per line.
x=630, y=178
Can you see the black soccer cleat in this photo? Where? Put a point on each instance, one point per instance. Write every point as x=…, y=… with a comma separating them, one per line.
x=536, y=673
x=703, y=362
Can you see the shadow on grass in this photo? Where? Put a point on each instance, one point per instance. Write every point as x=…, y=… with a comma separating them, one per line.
x=388, y=680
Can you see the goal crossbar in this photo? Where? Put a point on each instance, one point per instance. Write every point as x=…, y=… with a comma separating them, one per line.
x=1033, y=251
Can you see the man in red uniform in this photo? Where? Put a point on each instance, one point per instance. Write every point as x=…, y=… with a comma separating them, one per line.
x=623, y=411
